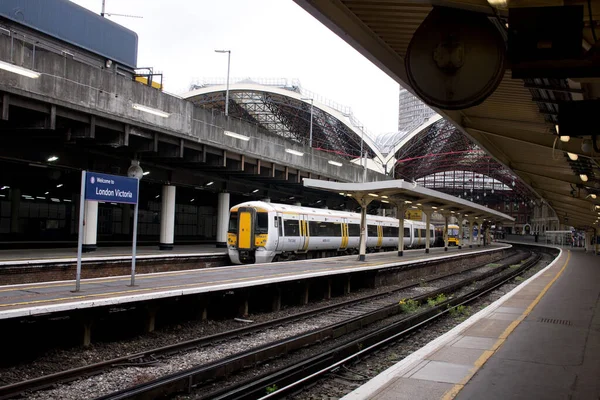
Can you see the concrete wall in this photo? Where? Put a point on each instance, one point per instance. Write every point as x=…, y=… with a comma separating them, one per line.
x=77, y=86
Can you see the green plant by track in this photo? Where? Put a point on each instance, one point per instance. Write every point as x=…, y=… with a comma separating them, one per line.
x=437, y=300
x=408, y=305
x=271, y=389
x=459, y=311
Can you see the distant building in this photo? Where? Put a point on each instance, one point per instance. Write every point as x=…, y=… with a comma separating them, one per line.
x=412, y=112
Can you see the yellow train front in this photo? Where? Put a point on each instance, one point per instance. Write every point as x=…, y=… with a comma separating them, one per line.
x=261, y=232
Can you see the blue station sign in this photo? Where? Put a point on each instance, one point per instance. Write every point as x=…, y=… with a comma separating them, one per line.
x=111, y=188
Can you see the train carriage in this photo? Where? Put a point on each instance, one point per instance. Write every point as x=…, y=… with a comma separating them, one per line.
x=262, y=232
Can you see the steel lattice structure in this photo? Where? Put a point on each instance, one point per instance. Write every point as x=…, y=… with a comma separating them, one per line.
x=290, y=117
x=442, y=158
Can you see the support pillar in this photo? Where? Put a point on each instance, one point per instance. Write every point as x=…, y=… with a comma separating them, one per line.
x=347, y=286
x=470, y=233
x=167, y=218
x=276, y=300
x=446, y=233
x=243, y=310
x=327, y=295
x=222, y=219
x=362, y=255
x=15, y=203
x=427, y=230
x=151, y=318
x=460, y=233
x=401, y=211
x=87, y=332
x=305, y=293
x=90, y=226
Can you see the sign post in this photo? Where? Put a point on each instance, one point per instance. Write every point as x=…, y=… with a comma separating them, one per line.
x=108, y=188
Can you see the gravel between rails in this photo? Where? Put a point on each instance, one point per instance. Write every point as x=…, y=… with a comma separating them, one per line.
x=124, y=377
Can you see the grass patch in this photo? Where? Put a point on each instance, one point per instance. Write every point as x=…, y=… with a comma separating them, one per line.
x=519, y=279
x=459, y=311
x=271, y=389
x=437, y=300
x=408, y=305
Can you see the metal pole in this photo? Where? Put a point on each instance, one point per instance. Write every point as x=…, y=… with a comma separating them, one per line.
x=311, y=123
x=134, y=244
x=80, y=233
x=227, y=90
x=103, y=8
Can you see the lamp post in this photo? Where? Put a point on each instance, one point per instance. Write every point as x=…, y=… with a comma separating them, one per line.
x=227, y=90
x=311, y=120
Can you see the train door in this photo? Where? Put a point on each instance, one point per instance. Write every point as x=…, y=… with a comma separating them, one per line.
x=280, y=238
x=246, y=217
x=344, y=244
x=303, y=236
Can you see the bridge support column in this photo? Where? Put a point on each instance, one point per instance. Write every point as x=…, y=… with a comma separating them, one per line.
x=347, y=286
x=151, y=318
x=222, y=219
x=470, y=233
x=87, y=332
x=427, y=230
x=243, y=309
x=167, y=218
x=446, y=233
x=90, y=226
x=15, y=203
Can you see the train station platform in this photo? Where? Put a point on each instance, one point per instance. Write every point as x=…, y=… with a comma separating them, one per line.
x=539, y=341
x=24, y=300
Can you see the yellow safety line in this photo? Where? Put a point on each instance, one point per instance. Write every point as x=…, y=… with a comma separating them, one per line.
x=452, y=393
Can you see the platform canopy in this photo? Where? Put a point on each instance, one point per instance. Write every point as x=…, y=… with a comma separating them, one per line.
x=406, y=195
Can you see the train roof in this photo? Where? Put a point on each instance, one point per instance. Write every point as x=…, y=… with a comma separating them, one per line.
x=283, y=208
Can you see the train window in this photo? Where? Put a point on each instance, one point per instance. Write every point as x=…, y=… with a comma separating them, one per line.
x=422, y=232
x=324, y=228
x=416, y=232
x=390, y=231
x=280, y=226
x=406, y=232
x=354, y=230
x=233, y=222
x=291, y=227
x=262, y=223
x=372, y=230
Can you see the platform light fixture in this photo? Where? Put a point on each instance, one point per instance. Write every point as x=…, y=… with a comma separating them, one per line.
x=255, y=190
x=565, y=138
x=384, y=201
x=583, y=177
x=59, y=185
x=572, y=156
x=337, y=164
x=294, y=152
x=593, y=196
x=4, y=187
x=19, y=70
x=146, y=173
x=52, y=158
x=236, y=135
x=150, y=110
x=46, y=193
x=209, y=183
x=373, y=195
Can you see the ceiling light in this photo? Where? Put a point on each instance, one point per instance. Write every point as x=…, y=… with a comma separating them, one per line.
x=593, y=196
x=192, y=200
x=19, y=70
x=452, y=212
x=40, y=197
x=434, y=207
x=146, y=173
x=67, y=200
x=150, y=110
x=294, y=152
x=407, y=202
x=373, y=195
x=419, y=204
x=573, y=156
x=583, y=177
x=52, y=158
x=565, y=139
x=59, y=185
x=384, y=201
x=337, y=164
x=4, y=187
x=236, y=135
x=342, y=193
x=157, y=196
x=46, y=192
x=414, y=207
x=255, y=190
x=384, y=197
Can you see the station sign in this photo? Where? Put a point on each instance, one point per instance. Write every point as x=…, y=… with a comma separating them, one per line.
x=414, y=215
x=111, y=188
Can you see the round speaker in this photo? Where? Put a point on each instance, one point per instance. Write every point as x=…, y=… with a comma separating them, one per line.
x=455, y=59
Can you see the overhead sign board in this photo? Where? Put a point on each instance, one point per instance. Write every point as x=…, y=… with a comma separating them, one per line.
x=415, y=215
x=111, y=188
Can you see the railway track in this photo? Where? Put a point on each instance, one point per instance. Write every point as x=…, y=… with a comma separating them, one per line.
x=366, y=310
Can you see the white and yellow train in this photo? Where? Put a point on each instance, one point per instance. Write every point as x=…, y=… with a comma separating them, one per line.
x=261, y=232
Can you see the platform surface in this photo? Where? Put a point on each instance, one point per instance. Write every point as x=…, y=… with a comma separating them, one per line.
x=47, y=297
x=540, y=341
x=69, y=255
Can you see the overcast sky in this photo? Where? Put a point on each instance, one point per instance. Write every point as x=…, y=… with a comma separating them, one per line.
x=267, y=39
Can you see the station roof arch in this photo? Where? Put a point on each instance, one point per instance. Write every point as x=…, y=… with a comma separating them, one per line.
x=285, y=109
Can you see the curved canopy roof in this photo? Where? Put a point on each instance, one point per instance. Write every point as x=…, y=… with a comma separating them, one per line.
x=285, y=110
